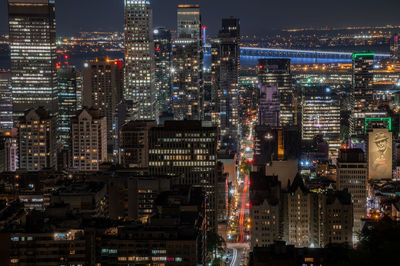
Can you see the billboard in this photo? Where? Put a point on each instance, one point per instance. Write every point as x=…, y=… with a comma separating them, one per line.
x=380, y=154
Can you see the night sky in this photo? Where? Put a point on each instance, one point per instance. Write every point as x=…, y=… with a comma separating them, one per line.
x=257, y=16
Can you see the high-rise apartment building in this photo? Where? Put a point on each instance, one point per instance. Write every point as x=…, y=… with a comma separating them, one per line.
x=32, y=27
x=139, y=63
x=6, y=106
x=67, y=103
x=187, y=87
x=103, y=89
x=265, y=210
x=352, y=174
x=321, y=115
x=162, y=68
x=89, y=140
x=37, y=140
x=276, y=72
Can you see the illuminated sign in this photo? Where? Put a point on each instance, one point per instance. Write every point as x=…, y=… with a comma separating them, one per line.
x=380, y=154
x=388, y=120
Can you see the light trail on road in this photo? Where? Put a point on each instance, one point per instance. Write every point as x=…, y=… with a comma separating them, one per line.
x=234, y=257
x=241, y=219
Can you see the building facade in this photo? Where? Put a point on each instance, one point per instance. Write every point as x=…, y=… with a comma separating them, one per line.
x=103, y=90
x=276, y=72
x=89, y=140
x=32, y=27
x=6, y=102
x=139, y=58
x=67, y=103
x=37, y=140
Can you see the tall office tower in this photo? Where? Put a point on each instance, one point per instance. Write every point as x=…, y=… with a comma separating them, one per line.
x=133, y=144
x=189, y=150
x=394, y=47
x=362, y=91
x=139, y=59
x=103, y=90
x=226, y=64
x=32, y=27
x=6, y=107
x=269, y=106
x=321, y=116
x=363, y=79
x=89, y=140
x=37, y=140
x=352, y=174
x=162, y=70
x=187, y=65
x=67, y=104
x=276, y=72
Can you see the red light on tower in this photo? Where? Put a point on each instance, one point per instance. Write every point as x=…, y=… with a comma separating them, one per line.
x=260, y=66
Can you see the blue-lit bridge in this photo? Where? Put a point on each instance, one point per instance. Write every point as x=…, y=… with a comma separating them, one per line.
x=250, y=55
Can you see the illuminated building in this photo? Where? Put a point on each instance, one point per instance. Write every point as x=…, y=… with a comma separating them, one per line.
x=362, y=92
x=265, y=209
x=32, y=28
x=67, y=103
x=37, y=140
x=6, y=106
x=248, y=95
x=269, y=106
x=321, y=116
x=188, y=149
x=133, y=144
x=162, y=64
x=225, y=68
x=89, y=140
x=276, y=72
x=139, y=58
x=361, y=122
x=316, y=219
x=380, y=156
x=187, y=66
x=352, y=174
x=103, y=90
x=394, y=47
x=9, y=150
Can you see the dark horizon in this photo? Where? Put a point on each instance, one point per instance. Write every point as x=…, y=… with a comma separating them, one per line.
x=257, y=16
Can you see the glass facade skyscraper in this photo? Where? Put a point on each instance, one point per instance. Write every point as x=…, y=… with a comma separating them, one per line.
x=162, y=63
x=32, y=27
x=276, y=72
x=139, y=64
x=67, y=103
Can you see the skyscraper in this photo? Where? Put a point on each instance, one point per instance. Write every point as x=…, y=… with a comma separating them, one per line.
x=187, y=91
x=32, y=27
x=67, y=103
x=321, y=116
x=229, y=66
x=162, y=63
x=362, y=91
x=103, y=89
x=276, y=72
x=139, y=54
x=6, y=107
